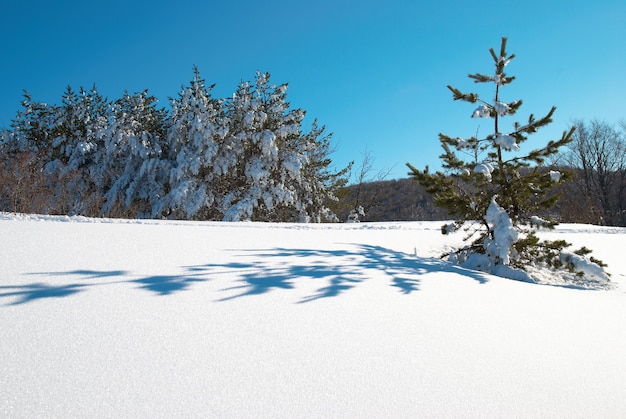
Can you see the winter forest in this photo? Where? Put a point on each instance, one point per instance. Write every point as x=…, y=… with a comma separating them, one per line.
x=242, y=158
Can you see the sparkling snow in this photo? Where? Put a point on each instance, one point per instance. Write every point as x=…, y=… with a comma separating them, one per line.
x=127, y=319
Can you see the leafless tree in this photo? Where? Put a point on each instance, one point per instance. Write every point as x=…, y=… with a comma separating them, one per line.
x=363, y=198
x=598, y=153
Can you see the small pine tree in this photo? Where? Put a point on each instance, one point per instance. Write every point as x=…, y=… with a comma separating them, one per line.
x=485, y=183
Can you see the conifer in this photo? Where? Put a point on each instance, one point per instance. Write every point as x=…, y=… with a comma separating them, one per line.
x=495, y=189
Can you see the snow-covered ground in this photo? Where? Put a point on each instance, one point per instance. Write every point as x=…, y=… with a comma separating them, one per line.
x=104, y=318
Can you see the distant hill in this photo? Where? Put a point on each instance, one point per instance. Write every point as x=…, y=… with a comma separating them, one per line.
x=390, y=200
x=406, y=200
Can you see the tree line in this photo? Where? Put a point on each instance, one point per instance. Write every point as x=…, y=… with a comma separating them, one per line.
x=246, y=157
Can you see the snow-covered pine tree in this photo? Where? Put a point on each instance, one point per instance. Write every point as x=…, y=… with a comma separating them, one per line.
x=134, y=136
x=269, y=158
x=196, y=131
x=31, y=128
x=76, y=135
x=25, y=149
x=495, y=193
x=259, y=128
x=243, y=186
x=319, y=184
x=77, y=126
x=279, y=172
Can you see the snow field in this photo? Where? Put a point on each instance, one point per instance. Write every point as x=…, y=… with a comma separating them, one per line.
x=104, y=318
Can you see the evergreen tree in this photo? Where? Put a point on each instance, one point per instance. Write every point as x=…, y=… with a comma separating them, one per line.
x=134, y=136
x=31, y=128
x=77, y=128
x=319, y=184
x=485, y=182
x=269, y=161
x=279, y=173
x=194, y=139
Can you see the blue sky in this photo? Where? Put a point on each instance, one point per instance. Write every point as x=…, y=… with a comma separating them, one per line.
x=373, y=72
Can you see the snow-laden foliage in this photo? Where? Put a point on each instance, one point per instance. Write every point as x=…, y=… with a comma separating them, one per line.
x=279, y=172
x=195, y=129
x=496, y=192
x=271, y=151
x=76, y=136
x=132, y=138
x=242, y=158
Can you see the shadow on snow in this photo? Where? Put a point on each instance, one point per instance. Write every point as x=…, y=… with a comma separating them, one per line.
x=338, y=270
x=158, y=284
x=272, y=269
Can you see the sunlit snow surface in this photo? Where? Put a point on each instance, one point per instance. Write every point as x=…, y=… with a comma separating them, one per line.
x=102, y=318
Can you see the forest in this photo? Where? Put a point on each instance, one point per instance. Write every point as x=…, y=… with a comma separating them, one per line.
x=242, y=158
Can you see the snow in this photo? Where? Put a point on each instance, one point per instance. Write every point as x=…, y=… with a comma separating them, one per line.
x=555, y=175
x=504, y=234
x=501, y=108
x=161, y=319
x=507, y=142
x=462, y=143
x=485, y=169
x=482, y=111
x=538, y=221
x=590, y=269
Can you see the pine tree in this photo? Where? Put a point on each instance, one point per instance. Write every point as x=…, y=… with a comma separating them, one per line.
x=319, y=184
x=77, y=126
x=135, y=135
x=24, y=151
x=269, y=161
x=194, y=138
x=278, y=173
x=495, y=192
x=65, y=139
x=76, y=133
x=32, y=126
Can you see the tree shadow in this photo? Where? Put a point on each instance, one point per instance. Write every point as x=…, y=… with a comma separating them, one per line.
x=158, y=284
x=37, y=291
x=165, y=284
x=337, y=272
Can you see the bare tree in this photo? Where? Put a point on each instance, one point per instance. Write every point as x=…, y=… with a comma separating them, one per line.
x=363, y=199
x=598, y=153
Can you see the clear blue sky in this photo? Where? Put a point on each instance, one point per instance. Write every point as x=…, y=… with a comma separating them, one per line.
x=373, y=72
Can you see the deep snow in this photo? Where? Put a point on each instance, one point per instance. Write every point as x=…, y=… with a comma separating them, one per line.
x=110, y=318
